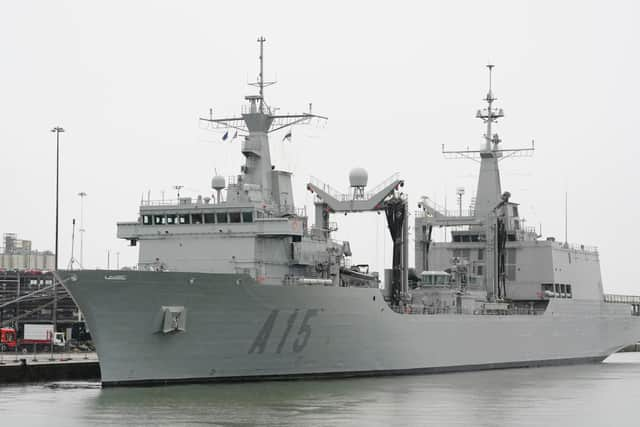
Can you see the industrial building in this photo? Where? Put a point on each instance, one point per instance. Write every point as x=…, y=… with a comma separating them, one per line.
x=27, y=291
x=18, y=254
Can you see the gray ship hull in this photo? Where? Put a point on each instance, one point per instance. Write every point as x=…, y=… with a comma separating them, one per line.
x=237, y=329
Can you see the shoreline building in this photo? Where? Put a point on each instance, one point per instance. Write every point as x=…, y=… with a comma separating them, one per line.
x=18, y=254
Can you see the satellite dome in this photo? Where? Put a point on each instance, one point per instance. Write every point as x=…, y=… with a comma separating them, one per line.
x=218, y=183
x=358, y=177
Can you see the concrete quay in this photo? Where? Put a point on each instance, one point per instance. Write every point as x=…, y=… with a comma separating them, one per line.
x=42, y=367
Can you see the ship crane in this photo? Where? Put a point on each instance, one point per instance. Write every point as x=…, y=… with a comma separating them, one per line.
x=385, y=197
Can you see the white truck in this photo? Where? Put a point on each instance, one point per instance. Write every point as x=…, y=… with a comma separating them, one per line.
x=36, y=336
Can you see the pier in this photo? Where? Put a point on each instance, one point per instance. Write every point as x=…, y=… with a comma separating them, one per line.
x=41, y=367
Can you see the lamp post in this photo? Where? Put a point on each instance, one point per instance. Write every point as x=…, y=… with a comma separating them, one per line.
x=82, y=195
x=57, y=131
x=178, y=188
x=460, y=193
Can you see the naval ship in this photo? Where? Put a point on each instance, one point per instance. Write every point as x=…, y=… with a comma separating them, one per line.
x=239, y=285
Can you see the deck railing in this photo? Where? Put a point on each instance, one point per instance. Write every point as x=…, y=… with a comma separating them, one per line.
x=621, y=299
x=426, y=310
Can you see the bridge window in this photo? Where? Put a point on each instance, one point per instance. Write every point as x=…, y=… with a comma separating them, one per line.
x=247, y=216
x=183, y=219
x=146, y=219
x=171, y=219
x=196, y=218
x=480, y=254
x=209, y=218
x=158, y=219
x=221, y=217
x=569, y=293
x=547, y=290
x=234, y=216
x=435, y=279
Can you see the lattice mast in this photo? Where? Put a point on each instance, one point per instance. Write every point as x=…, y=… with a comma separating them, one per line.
x=256, y=121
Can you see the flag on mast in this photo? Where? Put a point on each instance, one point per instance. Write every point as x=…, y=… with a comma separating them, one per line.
x=235, y=135
x=225, y=136
x=287, y=136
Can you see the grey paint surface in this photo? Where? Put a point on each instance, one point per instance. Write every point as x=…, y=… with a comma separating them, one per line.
x=349, y=330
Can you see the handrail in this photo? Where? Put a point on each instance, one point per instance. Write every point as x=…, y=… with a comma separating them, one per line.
x=326, y=188
x=621, y=299
x=582, y=248
x=430, y=311
x=345, y=197
x=281, y=210
x=375, y=190
x=449, y=213
x=168, y=202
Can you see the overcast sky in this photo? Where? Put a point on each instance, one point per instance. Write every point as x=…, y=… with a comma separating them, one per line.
x=128, y=80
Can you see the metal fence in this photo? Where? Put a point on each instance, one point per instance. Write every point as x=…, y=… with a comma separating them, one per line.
x=69, y=354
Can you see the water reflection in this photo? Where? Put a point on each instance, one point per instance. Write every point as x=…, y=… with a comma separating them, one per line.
x=585, y=395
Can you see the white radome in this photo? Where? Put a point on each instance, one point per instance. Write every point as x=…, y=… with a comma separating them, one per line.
x=218, y=182
x=358, y=177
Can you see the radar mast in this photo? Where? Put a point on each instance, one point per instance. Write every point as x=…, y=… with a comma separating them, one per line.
x=489, y=191
x=255, y=122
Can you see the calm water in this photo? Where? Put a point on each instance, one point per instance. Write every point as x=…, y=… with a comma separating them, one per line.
x=587, y=395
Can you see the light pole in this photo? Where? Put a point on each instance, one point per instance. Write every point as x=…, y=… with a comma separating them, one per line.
x=460, y=193
x=57, y=131
x=82, y=195
x=178, y=188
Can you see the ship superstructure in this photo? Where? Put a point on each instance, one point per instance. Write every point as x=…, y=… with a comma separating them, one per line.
x=251, y=224
x=491, y=248
x=239, y=286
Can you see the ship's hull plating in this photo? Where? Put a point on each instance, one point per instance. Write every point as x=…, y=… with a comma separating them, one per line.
x=239, y=330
